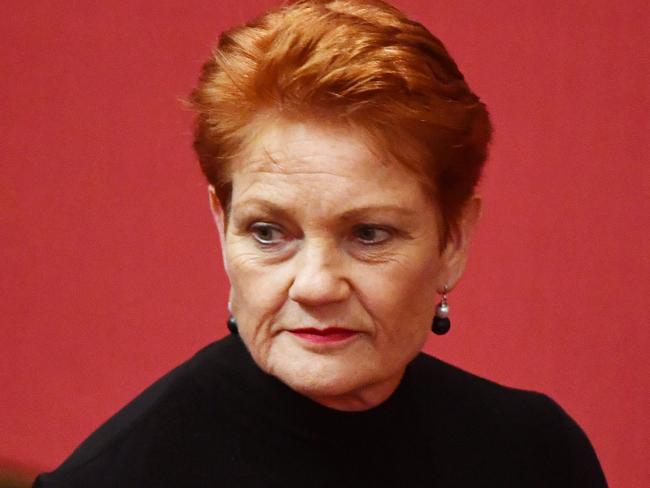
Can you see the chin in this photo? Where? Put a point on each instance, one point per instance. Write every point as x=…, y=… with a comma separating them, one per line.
x=354, y=377
x=317, y=375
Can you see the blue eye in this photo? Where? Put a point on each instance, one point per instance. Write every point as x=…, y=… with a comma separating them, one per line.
x=266, y=234
x=371, y=234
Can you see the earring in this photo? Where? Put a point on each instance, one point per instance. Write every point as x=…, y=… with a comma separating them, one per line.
x=441, y=323
x=232, y=322
x=232, y=325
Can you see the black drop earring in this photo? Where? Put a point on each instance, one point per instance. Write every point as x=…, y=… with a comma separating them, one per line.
x=441, y=323
x=232, y=325
x=232, y=322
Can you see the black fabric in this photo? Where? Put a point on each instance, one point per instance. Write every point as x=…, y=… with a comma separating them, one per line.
x=219, y=421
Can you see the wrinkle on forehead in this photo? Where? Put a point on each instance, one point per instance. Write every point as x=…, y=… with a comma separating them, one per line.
x=289, y=147
x=315, y=166
x=293, y=163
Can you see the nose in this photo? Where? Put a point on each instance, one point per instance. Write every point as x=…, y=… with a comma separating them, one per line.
x=319, y=276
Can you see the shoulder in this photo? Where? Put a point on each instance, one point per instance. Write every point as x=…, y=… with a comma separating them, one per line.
x=133, y=433
x=446, y=384
x=478, y=404
x=514, y=426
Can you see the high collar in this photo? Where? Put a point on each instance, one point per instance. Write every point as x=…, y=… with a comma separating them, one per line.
x=231, y=375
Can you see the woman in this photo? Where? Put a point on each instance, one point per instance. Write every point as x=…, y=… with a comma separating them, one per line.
x=342, y=148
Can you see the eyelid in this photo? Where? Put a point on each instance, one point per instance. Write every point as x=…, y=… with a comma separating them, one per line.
x=390, y=232
x=264, y=224
x=267, y=226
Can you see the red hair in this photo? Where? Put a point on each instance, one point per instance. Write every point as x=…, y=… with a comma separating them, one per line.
x=356, y=62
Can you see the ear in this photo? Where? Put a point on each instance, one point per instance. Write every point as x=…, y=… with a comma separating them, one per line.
x=220, y=219
x=454, y=255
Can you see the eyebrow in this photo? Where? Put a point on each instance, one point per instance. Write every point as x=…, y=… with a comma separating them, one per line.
x=257, y=204
x=352, y=214
x=355, y=213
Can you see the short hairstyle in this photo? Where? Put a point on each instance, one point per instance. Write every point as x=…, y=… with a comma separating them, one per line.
x=356, y=62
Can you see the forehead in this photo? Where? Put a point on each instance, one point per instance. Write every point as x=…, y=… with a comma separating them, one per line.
x=324, y=177
x=308, y=156
x=286, y=148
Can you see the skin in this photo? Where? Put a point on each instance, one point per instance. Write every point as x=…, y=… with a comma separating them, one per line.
x=322, y=233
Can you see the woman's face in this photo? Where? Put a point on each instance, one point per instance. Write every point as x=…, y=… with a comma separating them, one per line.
x=334, y=264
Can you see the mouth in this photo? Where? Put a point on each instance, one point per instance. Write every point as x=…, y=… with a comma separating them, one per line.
x=329, y=335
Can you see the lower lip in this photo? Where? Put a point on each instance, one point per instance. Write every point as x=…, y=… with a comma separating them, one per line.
x=331, y=338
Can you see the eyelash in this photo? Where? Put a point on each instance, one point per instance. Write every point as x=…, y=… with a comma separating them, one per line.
x=375, y=228
x=266, y=227
x=356, y=232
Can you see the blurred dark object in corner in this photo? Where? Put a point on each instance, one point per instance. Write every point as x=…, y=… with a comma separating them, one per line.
x=16, y=475
x=14, y=480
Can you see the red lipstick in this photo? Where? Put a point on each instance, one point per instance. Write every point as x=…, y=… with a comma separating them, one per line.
x=330, y=335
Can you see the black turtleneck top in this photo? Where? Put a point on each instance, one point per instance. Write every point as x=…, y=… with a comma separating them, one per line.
x=219, y=421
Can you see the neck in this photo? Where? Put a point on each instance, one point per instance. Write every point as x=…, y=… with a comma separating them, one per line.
x=363, y=399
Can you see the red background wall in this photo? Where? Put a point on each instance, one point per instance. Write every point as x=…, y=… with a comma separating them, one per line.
x=110, y=265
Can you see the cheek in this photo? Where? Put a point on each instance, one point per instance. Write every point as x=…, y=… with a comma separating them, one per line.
x=398, y=295
x=257, y=293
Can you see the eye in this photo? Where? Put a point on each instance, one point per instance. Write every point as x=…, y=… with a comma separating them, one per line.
x=266, y=234
x=371, y=234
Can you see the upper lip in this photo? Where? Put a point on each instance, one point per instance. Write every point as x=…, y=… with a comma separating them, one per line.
x=325, y=331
